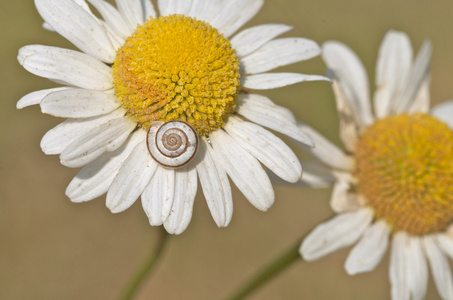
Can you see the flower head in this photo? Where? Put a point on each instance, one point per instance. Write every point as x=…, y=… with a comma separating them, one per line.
x=139, y=73
x=394, y=182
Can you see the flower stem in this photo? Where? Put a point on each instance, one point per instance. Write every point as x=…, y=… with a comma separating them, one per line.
x=268, y=272
x=146, y=268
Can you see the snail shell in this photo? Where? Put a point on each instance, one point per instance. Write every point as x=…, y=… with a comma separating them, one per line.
x=172, y=144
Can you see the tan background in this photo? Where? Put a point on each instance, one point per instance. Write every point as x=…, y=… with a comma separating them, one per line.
x=51, y=248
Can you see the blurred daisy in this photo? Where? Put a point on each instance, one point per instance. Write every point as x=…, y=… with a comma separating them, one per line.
x=137, y=70
x=395, y=181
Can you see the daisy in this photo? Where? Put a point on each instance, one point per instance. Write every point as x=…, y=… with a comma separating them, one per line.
x=138, y=72
x=394, y=183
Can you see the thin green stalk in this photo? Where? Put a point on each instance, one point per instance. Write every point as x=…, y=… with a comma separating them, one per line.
x=268, y=272
x=146, y=268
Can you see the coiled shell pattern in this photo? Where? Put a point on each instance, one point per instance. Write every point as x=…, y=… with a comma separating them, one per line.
x=172, y=144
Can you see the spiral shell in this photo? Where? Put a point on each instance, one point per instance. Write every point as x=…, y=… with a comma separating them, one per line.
x=172, y=144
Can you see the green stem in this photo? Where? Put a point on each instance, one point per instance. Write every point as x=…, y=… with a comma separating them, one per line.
x=268, y=272
x=146, y=268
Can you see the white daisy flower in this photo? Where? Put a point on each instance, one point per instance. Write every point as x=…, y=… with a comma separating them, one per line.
x=395, y=181
x=137, y=71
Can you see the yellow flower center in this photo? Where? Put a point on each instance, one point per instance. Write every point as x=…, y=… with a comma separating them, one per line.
x=405, y=172
x=177, y=68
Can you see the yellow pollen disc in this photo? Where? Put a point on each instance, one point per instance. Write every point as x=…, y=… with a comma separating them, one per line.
x=405, y=172
x=177, y=68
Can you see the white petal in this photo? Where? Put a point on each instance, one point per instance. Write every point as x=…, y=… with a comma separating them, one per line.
x=422, y=100
x=95, y=179
x=71, y=67
x=343, y=198
x=245, y=171
x=106, y=137
x=398, y=267
x=174, y=7
x=350, y=73
x=132, y=12
x=269, y=81
x=185, y=191
x=251, y=39
x=446, y=244
x=148, y=9
x=116, y=39
x=47, y=26
x=79, y=103
x=279, y=52
x=215, y=185
x=339, y=232
x=368, y=252
x=444, y=112
x=266, y=147
x=263, y=111
x=326, y=151
x=112, y=17
x=83, y=4
x=349, y=128
x=61, y=136
x=449, y=231
x=78, y=26
x=419, y=75
x=392, y=71
x=36, y=97
x=235, y=14
x=158, y=196
x=132, y=178
x=206, y=11
x=417, y=270
x=316, y=175
x=440, y=268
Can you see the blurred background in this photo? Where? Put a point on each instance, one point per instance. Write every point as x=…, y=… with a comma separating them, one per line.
x=51, y=248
